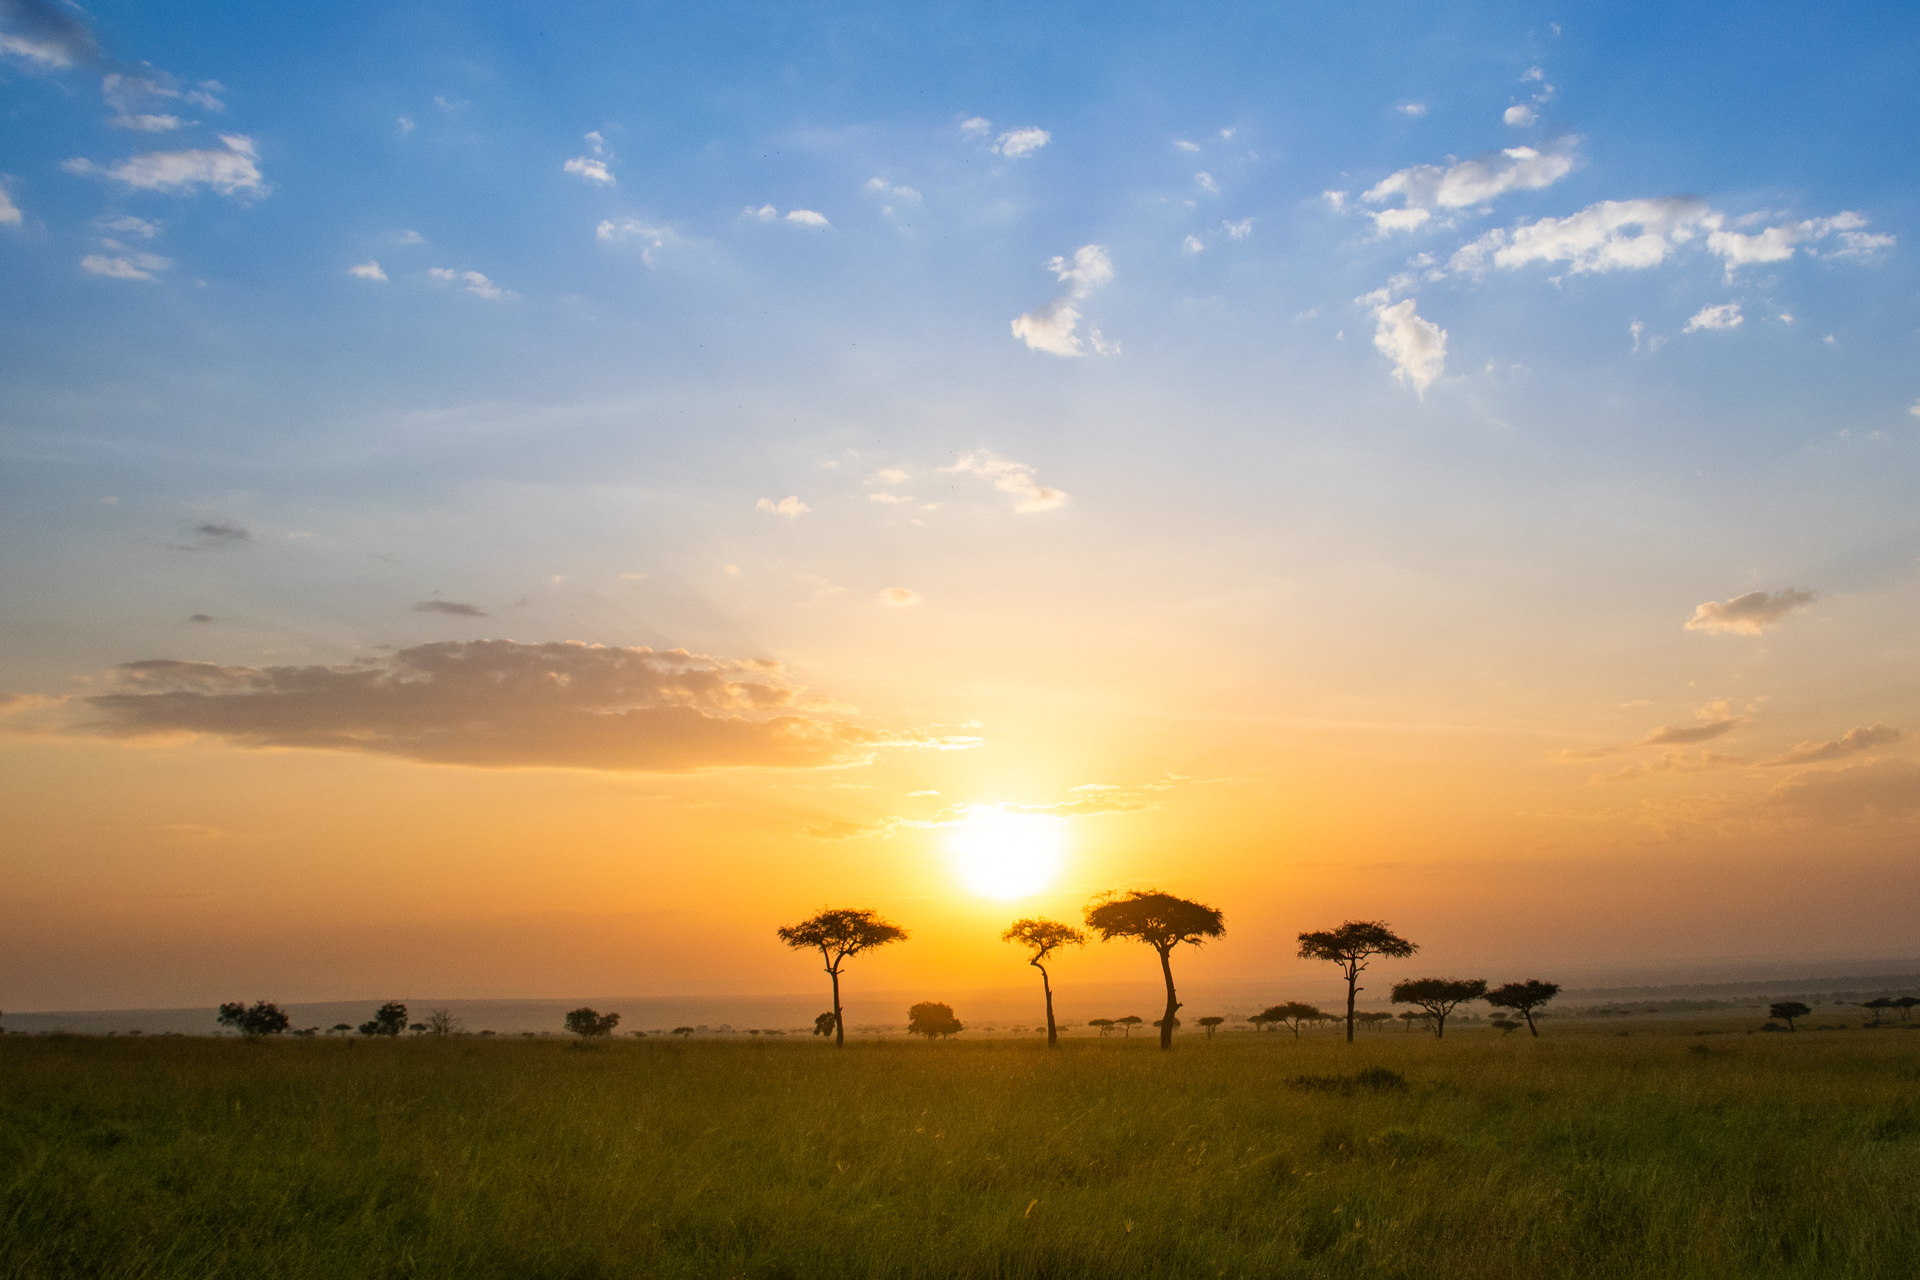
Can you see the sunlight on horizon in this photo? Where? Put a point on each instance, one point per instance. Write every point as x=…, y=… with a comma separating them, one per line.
x=1007, y=856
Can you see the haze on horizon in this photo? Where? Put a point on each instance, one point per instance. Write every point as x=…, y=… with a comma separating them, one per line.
x=502, y=502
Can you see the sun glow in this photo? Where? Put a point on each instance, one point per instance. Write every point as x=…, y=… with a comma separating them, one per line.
x=1007, y=855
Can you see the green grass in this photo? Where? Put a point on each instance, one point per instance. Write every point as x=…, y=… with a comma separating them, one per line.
x=1575, y=1155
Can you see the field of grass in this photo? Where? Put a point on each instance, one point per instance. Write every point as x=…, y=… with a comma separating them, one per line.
x=1579, y=1154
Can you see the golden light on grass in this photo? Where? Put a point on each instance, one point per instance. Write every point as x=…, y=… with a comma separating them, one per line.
x=1007, y=856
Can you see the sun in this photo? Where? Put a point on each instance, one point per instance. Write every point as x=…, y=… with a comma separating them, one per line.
x=1007, y=855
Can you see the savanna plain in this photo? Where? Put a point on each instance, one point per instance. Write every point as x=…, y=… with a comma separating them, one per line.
x=1602, y=1150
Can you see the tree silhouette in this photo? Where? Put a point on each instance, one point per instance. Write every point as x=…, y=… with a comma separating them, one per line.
x=1372, y=1017
x=1163, y=922
x=683, y=1031
x=1105, y=1025
x=1438, y=996
x=823, y=1023
x=1787, y=1011
x=1523, y=998
x=1042, y=938
x=1127, y=1024
x=1210, y=1022
x=341, y=1027
x=1905, y=1005
x=1507, y=1026
x=1350, y=946
x=1292, y=1014
x=1879, y=1006
x=441, y=1022
x=933, y=1020
x=1410, y=1017
x=263, y=1019
x=590, y=1024
x=390, y=1019
x=840, y=934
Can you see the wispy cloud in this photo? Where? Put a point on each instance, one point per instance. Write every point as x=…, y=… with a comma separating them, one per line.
x=1015, y=143
x=211, y=535
x=46, y=34
x=789, y=506
x=1052, y=327
x=231, y=171
x=9, y=211
x=1426, y=187
x=1852, y=742
x=1725, y=315
x=131, y=266
x=901, y=597
x=368, y=270
x=1009, y=477
x=1750, y=614
x=500, y=704
x=807, y=218
x=589, y=168
x=472, y=282
x=451, y=608
x=1417, y=346
x=657, y=239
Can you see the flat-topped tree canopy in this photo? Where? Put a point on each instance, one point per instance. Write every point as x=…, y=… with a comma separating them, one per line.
x=839, y=933
x=1163, y=922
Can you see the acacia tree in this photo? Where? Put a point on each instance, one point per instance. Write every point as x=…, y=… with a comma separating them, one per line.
x=1292, y=1014
x=1210, y=1022
x=1787, y=1011
x=263, y=1019
x=840, y=933
x=390, y=1019
x=1438, y=996
x=1523, y=998
x=1905, y=1005
x=1104, y=1024
x=589, y=1023
x=1351, y=946
x=1163, y=922
x=933, y=1019
x=1127, y=1024
x=1042, y=938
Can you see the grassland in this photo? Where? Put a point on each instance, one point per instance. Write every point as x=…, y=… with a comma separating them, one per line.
x=1591, y=1155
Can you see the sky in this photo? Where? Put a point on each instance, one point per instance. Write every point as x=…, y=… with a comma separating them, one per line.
x=502, y=500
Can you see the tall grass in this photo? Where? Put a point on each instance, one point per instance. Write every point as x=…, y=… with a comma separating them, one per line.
x=1597, y=1156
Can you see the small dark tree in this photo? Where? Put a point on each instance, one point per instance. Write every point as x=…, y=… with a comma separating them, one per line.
x=1104, y=1024
x=1879, y=1006
x=339, y=1028
x=933, y=1020
x=1260, y=1021
x=840, y=934
x=1507, y=1026
x=1438, y=996
x=1523, y=998
x=1211, y=1022
x=1372, y=1017
x=683, y=1032
x=1905, y=1005
x=1163, y=922
x=590, y=1024
x=263, y=1019
x=1787, y=1011
x=1293, y=1014
x=1351, y=946
x=1127, y=1024
x=1412, y=1016
x=390, y=1019
x=823, y=1023
x=441, y=1022
x=1042, y=938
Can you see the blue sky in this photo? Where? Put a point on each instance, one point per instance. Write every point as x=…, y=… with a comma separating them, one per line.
x=1388, y=363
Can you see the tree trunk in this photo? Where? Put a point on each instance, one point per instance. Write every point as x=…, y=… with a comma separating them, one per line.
x=1439, y=1026
x=839, y=1023
x=1173, y=1002
x=1528, y=1015
x=1053, y=1036
x=1353, y=976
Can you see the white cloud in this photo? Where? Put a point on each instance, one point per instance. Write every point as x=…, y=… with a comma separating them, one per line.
x=368, y=270
x=1388, y=221
x=1776, y=244
x=135, y=266
x=806, y=217
x=1858, y=244
x=411, y=237
x=1193, y=244
x=1520, y=116
x=1750, y=614
x=1476, y=181
x=1051, y=327
x=472, y=281
x=1412, y=108
x=656, y=238
x=789, y=506
x=1914, y=409
x=1015, y=143
x=880, y=186
x=1854, y=741
x=1015, y=478
x=1238, y=230
x=145, y=123
x=889, y=499
x=1228, y=133
x=1206, y=182
x=405, y=123
x=976, y=126
x=229, y=172
x=1535, y=73
x=9, y=211
x=590, y=169
x=1184, y=145
x=1417, y=347
x=598, y=143
x=765, y=213
x=1724, y=316
x=1337, y=199
x=128, y=225
x=1608, y=236
x=900, y=598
